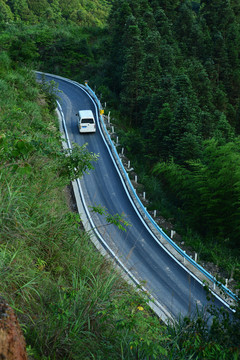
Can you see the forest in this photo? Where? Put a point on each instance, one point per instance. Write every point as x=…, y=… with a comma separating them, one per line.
x=169, y=71
x=177, y=75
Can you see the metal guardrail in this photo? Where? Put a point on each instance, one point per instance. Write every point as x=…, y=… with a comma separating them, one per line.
x=165, y=236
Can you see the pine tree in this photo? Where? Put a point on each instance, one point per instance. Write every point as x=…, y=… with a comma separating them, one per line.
x=192, y=35
x=152, y=71
x=150, y=63
x=132, y=75
x=160, y=139
x=185, y=121
x=119, y=14
x=183, y=25
x=218, y=14
x=169, y=6
x=224, y=31
x=163, y=24
x=223, y=130
x=200, y=82
x=183, y=129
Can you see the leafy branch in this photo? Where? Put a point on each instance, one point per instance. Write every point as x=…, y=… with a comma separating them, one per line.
x=115, y=219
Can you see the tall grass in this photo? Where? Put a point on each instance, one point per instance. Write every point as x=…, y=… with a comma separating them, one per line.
x=51, y=273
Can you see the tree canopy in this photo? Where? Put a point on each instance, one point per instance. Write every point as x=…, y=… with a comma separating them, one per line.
x=178, y=78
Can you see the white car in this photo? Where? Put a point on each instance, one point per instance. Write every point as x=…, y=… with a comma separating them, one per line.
x=86, y=121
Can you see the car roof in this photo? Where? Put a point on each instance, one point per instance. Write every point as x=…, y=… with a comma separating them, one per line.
x=86, y=113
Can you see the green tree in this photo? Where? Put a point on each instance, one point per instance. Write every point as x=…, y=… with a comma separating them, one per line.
x=160, y=134
x=191, y=33
x=183, y=25
x=144, y=16
x=163, y=24
x=53, y=11
x=132, y=76
x=233, y=48
x=167, y=57
x=218, y=14
x=224, y=30
x=21, y=10
x=23, y=49
x=119, y=14
x=223, y=130
x=5, y=12
x=150, y=67
x=187, y=105
x=185, y=141
x=200, y=82
x=38, y=7
x=169, y=6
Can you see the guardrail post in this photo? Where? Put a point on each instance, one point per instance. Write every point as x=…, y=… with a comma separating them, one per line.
x=195, y=257
x=172, y=233
x=109, y=117
x=128, y=164
x=226, y=282
x=122, y=151
x=135, y=179
x=112, y=129
x=144, y=195
x=117, y=140
x=154, y=213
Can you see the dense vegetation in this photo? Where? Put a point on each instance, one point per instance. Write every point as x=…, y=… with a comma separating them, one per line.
x=82, y=12
x=174, y=66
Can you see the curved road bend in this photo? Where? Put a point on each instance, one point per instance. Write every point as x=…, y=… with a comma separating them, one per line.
x=174, y=288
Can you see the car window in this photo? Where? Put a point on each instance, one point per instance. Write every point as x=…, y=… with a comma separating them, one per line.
x=87, y=121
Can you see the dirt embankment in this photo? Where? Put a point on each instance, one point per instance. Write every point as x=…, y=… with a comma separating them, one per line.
x=12, y=342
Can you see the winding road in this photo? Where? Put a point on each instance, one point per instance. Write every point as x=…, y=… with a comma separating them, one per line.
x=173, y=286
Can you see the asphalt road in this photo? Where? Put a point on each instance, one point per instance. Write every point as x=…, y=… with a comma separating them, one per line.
x=174, y=287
